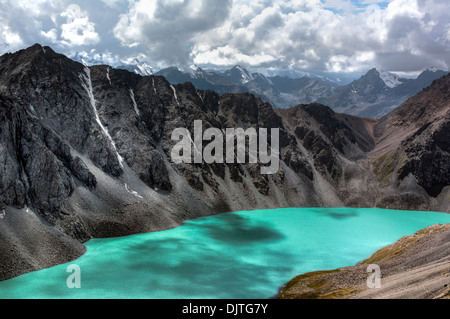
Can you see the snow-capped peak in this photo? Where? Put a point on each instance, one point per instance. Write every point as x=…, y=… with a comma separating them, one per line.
x=246, y=76
x=135, y=64
x=193, y=70
x=143, y=68
x=390, y=79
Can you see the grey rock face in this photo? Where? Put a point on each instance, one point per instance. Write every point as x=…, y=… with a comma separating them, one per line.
x=12, y=186
x=428, y=157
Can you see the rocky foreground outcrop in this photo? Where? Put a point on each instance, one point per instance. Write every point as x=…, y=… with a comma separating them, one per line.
x=86, y=152
x=415, y=267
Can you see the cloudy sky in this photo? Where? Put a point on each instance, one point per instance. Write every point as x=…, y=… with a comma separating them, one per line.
x=328, y=35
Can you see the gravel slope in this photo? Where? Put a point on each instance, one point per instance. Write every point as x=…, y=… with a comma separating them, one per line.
x=415, y=267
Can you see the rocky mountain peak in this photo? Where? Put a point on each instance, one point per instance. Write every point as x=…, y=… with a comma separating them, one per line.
x=372, y=77
x=239, y=74
x=390, y=79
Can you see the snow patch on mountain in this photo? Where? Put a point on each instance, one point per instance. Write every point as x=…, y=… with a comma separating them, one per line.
x=136, y=65
x=246, y=76
x=192, y=70
x=143, y=68
x=87, y=85
x=391, y=80
x=134, y=102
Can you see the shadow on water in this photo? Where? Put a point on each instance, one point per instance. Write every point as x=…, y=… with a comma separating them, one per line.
x=232, y=229
x=216, y=274
x=190, y=266
x=175, y=268
x=337, y=213
x=224, y=277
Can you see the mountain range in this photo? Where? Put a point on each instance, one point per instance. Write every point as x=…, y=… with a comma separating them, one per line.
x=377, y=93
x=134, y=65
x=85, y=152
x=373, y=95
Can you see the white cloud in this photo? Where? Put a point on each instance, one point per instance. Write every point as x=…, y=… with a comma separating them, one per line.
x=396, y=35
x=341, y=5
x=333, y=35
x=165, y=29
x=78, y=30
x=51, y=35
x=21, y=22
x=112, y=3
x=10, y=39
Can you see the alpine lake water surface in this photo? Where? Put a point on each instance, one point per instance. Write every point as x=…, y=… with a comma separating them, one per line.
x=241, y=255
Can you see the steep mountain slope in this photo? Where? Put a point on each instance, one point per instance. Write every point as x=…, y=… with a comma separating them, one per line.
x=86, y=152
x=413, y=143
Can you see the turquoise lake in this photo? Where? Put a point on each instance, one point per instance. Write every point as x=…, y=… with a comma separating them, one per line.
x=240, y=255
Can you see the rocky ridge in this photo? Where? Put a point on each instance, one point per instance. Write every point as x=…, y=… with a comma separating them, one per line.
x=373, y=95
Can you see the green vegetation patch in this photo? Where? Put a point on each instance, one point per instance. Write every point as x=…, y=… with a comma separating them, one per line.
x=383, y=166
x=308, y=286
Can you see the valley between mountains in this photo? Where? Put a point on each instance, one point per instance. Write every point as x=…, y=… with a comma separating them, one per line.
x=85, y=153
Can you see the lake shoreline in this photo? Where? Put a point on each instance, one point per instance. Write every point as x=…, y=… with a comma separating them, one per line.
x=411, y=268
x=245, y=229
